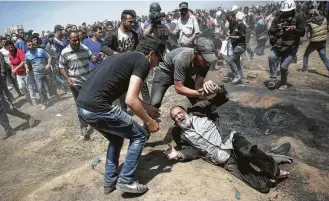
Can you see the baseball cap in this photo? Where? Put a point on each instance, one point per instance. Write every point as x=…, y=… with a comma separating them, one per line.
x=58, y=27
x=183, y=5
x=206, y=48
x=151, y=43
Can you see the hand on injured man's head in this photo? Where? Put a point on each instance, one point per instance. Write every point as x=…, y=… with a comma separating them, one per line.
x=210, y=88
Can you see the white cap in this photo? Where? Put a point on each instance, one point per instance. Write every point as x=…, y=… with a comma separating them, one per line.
x=235, y=7
x=34, y=32
x=287, y=5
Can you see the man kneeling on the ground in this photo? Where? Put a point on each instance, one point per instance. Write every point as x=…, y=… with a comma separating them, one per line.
x=199, y=129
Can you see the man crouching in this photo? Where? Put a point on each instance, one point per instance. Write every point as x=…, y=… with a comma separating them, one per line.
x=200, y=134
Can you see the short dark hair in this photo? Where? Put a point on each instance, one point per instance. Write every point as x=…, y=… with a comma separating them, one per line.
x=34, y=36
x=9, y=42
x=73, y=31
x=20, y=30
x=95, y=28
x=29, y=39
x=125, y=13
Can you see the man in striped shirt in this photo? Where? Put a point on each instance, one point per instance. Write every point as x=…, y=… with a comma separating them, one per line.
x=74, y=67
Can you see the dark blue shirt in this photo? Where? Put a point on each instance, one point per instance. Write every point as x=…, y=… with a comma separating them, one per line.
x=21, y=45
x=95, y=48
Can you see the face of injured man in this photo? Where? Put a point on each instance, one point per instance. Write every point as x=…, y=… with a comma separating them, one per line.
x=180, y=116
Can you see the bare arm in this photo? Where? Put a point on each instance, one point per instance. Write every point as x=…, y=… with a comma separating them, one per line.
x=198, y=82
x=148, y=30
x=134, y=102
x=49, y=61
x=64, y=73
x=21, y=65
x=181, y=89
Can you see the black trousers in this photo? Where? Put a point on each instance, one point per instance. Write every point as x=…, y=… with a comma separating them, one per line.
x=161, y=82
x=238, y=165
x=7, y=107
x=75, y=92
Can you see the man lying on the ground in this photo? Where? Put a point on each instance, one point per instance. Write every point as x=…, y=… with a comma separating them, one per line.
x=200, y=134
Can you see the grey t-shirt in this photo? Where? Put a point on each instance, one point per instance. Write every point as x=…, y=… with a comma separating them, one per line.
x=179, y=63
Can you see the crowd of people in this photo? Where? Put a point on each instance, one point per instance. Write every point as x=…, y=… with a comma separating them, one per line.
x=110, y=61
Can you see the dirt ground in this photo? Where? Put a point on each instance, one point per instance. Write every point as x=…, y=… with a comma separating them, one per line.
x=51, y=162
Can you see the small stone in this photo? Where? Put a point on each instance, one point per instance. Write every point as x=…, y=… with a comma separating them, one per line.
x=95, y=161
x=252, y=75
x=237, y=195
x=226, y=79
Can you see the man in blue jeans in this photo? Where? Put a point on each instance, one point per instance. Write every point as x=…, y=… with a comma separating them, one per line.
x=238, y=39
x=40, y=62
x=119, y=74
x=286, y=30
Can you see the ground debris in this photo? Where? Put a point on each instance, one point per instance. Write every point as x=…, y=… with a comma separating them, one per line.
x=94, y=162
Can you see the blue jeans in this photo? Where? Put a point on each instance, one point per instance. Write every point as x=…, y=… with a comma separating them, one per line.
x=234, y=61
x=115, y=125
x=41, y=82
x=321, y=48
x=285, y=58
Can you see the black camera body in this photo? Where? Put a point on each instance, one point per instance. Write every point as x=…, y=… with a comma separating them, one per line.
x=155, y=17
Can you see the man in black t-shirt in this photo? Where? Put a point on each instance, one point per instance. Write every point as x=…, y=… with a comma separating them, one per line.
x=238, y=39
x=115, y=76
x=178, y=68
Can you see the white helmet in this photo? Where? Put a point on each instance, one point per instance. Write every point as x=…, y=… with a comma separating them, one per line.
x=287, y=5
x=235, y=7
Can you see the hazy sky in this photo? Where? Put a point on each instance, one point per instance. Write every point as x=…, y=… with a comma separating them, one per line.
x=43, y=15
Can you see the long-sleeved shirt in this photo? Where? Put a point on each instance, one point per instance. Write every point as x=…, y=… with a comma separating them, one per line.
x=205, y=137
x=296, y=33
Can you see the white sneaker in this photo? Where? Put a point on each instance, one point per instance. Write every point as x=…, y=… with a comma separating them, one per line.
x=43, y=107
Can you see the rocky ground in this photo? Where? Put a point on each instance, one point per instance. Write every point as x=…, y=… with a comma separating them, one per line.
x=51, y=162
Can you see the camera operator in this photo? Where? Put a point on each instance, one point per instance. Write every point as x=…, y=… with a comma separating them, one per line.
x=157, y=25
x=285, y=33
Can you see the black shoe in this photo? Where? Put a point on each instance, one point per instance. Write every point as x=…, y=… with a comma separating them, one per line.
x=283, y=148
x=134, y=187
x=9, y=133
x=271, y=84
x=108, y=189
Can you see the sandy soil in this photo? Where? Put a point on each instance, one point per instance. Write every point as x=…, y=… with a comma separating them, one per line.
x=51, y=162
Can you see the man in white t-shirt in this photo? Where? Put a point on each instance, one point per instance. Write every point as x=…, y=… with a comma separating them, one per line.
x=187, y=27
x=219, y=12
